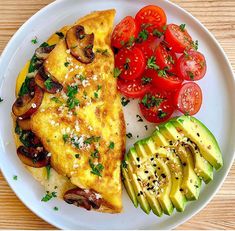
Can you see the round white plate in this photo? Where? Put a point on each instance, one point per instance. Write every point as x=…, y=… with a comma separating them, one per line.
x=217, y=113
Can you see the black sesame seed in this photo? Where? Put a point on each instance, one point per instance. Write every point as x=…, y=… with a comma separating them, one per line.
x=184, y=164
x=156, y=155
x=167, y=158
x=154, y=165
x=149, y=178
x=159, y=168
x=138, y=159
x=138, y=179
x=196, y=186
x=152, y=159
x=138, y=194
x=146, y=171
x=148, y=184
x=198, y=134
x=141, y=193
x=171, y=142
x=177, y=178
x=181, y=190
x=138, y=166
x=148, y=189
x=154, y=181
x=188, y=139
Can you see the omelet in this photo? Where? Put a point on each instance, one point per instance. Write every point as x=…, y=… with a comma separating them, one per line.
x=82, y=126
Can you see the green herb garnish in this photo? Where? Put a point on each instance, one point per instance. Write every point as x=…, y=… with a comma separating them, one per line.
x=1, y=99
x=104, y=52
x=151, y=101
x=15, y=177
x=161, y=114
x=65, y=137
x=95, y=154
x=116, y=72
x=139, y=118
x=56, y=208
x=182, y=27
x=195, y=45
x=56, y=100
x=126, y=64
x=143, y=35
x=157, y=33
x=96, y=169
x=77, y=156
x=191, y=75
x=48, y=168
x=131, y=41
x=35, y=40
x=129, y=135
x=92, y=139
x=66, y=64
x=124, y=164
x=48, y=84
x=151, y=63
x=111, y=145
x=146, y=80
x=48, y=196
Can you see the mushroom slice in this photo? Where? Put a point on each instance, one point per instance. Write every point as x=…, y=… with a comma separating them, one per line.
x=43, y=52
x=47, y=82
x=82, y=198
x=80, y=44
x=34, y=157
x=24, y=124
x=28, y=104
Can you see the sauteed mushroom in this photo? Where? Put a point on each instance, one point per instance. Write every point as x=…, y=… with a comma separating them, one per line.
x=43, y=52
x=80, y=44
x=82, y=198
x=28, y=104
x=34, y=157
x=47, y=82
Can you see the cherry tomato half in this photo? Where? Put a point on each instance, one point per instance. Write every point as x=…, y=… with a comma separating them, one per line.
x=178, y=38
x=165, y=58
x=133, y=89
x=191, y=66
x=123, y=32
x=151, y=17
x=163, y=80
x=157, y=106
x=149, y=46
x=131, y=62
x=188, y=98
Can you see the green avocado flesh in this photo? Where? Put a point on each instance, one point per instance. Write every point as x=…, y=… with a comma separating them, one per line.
x=165, y=170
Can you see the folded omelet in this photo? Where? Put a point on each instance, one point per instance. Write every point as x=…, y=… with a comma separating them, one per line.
x=82, y=127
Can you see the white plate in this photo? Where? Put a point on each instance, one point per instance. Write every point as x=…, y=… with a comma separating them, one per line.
x=217, y=113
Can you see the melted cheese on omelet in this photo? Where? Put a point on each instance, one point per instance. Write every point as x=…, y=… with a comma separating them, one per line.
x=99, y=114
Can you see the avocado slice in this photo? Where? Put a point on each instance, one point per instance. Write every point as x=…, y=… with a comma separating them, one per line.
x=164, y=177
x=177, y=197
x=191, y=183
x=151, y=196
x=201, y=135
x=202, y=168
x=128, y=186
x=131, y=158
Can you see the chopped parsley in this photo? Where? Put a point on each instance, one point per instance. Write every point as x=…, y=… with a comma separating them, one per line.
x=48, y=168
x=48, y=84
x=124, y=101
x=15, y=177
x=195, y=45
x=80, y=77
x=126, y=64
x=186, y=54
x=56, y=208
x=60, y=34
x=96, y=169
x=77, y=156
x=35, y=40
x=151, y=101
x=111, y=145
x=95, y=154
x=129, y=135
x=124, y=164
x=131, y=41
x=116, y=72
x=89, y=46
x=182, y=27
x=157, y=33
x=96, y=95
x=143, y=35
x=161, y=114
x=48, y=196
x=151, y=63
x=191, y=75
x=139, y=118
x=146, y=80
x=170, y=59
x=66, y=64
x=92, y=139
x=104, y=52
x=181, y=120
x=1, y=99
x=65, y=137
x=162, y=73
x=56, y=100
x=25, y=87
x=164, y=27
x=186, y=113
x=72, y=102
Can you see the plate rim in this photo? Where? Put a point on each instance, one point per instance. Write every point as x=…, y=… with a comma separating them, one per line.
x=230, y=69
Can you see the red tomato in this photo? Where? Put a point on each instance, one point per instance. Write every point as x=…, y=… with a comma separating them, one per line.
x=191, y=66
x=178, y=38
x=149, y=46
x=165, y=58
x=188, y=98
x=123, y=32
x=151, y=17
x=163, y=80
x=131, y=63
x=134, y=88
x=157, y=106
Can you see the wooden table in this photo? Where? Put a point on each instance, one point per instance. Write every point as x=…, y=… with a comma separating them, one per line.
x=219, y=17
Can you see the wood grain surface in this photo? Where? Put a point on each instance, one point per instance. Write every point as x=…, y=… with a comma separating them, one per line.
x=219, y=17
